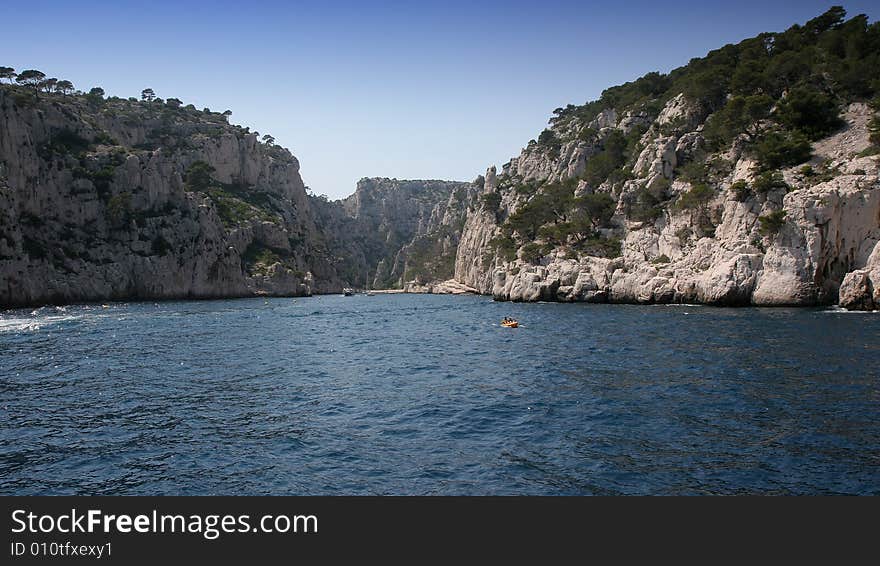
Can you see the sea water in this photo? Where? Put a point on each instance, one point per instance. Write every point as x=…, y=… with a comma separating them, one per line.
x=421, y=394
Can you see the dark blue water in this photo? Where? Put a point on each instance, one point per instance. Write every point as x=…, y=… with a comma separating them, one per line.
x=404, y=394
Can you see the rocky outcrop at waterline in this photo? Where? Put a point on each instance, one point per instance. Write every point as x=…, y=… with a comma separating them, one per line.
x=669, y=190
x=860, y=289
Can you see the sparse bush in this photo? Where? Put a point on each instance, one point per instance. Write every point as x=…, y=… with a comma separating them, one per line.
x=813, y=113
x=782, y=149
x=644, y=207
x=504, y=246
x=699, y=195
x=772, y=223
x=531, y=252
x=663, y=258
x=768, y=181
x=600, y=247
x=160, y=246
x=741, y=190
x=119, y=207
x=490, y=202
x=199, y=176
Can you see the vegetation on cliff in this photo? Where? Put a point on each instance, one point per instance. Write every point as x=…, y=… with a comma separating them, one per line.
x=769, y=97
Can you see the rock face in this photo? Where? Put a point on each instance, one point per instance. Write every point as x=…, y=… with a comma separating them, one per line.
x=727, y=181
x=96, y=205
x=713, y=253
x=120, y=199
x=410, y=228
x=860, y=289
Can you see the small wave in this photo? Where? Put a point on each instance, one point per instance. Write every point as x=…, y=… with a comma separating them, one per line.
x=31, y=324
x=837, y=309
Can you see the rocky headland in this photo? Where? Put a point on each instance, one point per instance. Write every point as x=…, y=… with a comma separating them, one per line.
x=721, y=183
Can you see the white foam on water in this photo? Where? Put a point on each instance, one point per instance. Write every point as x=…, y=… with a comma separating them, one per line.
x=836, y=309
x=32, y=323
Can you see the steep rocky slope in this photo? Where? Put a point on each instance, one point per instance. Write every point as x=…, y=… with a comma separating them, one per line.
x=726, y=182
x=124, y=199
x=411, y=228
x=98, y=204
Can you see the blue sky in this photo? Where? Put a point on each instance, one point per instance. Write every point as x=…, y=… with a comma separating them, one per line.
x=432, y=90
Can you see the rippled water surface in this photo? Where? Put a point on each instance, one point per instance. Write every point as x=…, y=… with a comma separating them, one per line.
x=408, y=394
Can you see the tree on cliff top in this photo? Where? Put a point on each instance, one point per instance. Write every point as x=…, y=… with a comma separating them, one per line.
x=7, y=73
x=148, y=95
x=31, y=78
x=95, y=97
x=64, y=87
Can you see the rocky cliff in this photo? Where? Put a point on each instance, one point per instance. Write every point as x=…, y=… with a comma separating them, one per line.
x=747, y=177
x=125, y=199
x=411, y=228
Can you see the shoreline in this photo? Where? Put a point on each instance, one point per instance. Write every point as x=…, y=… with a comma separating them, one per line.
x=117, y=301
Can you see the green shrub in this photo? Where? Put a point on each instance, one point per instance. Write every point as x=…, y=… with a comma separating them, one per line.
x=490, y=202
x=199, y=176
x=699, y=195
x=258, y=257
x=741, y=114
x=695, y=171
x=529, y=218
x=741, y=190
x=504, y=246
x=644, y=207
x=772, y=223
x=526, y=189
x=810, y=112
x=531, y=252
x=600, y=247
x=612, y=157
x=663, y=258
x=780, y=149
x=587, y=134
x=874, y=125
x=683, y=234
x=550, y=142
x=160, y=246
x=34, y=249
x=597, y=208
x=119, y=207
x=768, y=181
x=659, y=187
x=103, y=138
x=102, y=179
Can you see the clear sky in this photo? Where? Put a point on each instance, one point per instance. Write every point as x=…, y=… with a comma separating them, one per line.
x=428, y=89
